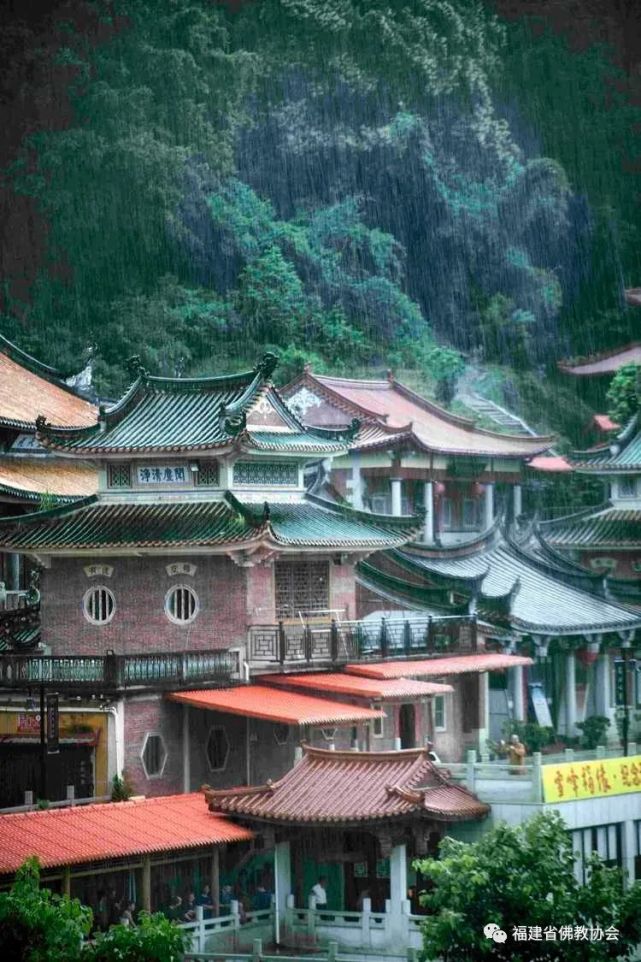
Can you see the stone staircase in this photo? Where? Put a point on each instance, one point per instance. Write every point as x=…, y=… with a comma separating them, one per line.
x=494, y=412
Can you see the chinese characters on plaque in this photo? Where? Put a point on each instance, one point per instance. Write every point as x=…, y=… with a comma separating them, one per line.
x=162, y=474
x=603, y=776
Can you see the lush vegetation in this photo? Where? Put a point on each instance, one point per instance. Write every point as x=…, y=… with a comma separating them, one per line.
x=362, y=184
x=524, y=876
x=38, y=926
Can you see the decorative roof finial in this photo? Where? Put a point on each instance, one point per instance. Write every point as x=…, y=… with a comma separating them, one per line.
x=266, y=511
x=134, y=366
x=41, y=424
x=390, y=374
x=307, y=368
x=267, y=365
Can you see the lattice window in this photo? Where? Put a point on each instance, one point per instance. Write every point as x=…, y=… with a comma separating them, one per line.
x=207, y=473
x=301, y=586
x=181, y=604
x=99, y=605
x=440, y=720
x=119, y=475
x=154, y=755
x=253, y=472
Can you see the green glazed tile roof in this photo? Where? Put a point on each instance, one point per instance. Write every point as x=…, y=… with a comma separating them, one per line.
x=95, y=525
x=541, y=601
x=606, y=528
x=191, y=414
x=600, y=459
x=318, y=523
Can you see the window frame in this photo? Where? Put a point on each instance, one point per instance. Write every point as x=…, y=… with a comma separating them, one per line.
x=164, y=754
x=190, y=591
x=212, y=729
x=447, y=513
x=443, y=703
x=89, y=593
x=631, y=480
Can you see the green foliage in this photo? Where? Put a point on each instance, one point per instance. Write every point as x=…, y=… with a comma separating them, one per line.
x=534, y=736
x=624, y=393
x=121, y=788
x=270, y=298
x=37, y=926
x=47, y=501
x=153, y=939
x=523, y=876
x=593, y=730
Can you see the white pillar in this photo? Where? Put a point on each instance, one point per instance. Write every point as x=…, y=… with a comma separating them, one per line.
x=428, y=502
x=629, y=850
x=517, y=500
x=516, y=682
x=398, y=875
x=186, y=751
x=603, y=694
x=570, y=694
x=282, y=884
x=488, y=503
x=357, y=486
x=484, y=711
x=397, y=502
x=397, y=890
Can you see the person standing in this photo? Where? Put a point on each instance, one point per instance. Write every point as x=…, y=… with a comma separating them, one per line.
x=319, y=891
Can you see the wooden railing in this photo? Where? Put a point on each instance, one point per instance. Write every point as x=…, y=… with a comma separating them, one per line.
x=342, y=642
x=174, y=670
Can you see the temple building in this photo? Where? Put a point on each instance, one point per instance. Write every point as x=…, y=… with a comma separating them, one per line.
x=607, y=539
x=201, y=561
x=356, y=819
x=410, y=453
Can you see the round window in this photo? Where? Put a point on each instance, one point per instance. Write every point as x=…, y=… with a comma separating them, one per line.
x=99, y=605
x=181, y=604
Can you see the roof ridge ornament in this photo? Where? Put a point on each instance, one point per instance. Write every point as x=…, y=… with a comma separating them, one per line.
x=134, y=366
x=267, y=364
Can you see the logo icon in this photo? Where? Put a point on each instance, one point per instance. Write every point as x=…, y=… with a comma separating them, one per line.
x=492, y=931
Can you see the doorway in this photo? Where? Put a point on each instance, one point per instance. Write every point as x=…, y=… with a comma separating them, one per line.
x=407, y=726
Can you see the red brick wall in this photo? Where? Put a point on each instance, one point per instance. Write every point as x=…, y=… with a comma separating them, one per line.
x=153, y=713
x=139, y=623
x=343, y=590
x=261, y=608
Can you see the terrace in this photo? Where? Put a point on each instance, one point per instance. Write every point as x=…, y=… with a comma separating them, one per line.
x=300, y=646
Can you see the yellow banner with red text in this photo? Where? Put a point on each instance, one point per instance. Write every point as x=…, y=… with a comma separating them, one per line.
x=591, y=779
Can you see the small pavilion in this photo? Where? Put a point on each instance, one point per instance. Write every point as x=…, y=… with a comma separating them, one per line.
x=353, y=817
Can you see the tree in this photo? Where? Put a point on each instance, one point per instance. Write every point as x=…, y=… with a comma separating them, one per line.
x=624, y=393
x=524, y=876
x=38, y=926
x=154, y=939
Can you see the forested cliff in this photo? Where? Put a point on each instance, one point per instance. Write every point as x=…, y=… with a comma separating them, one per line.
x=363, y=184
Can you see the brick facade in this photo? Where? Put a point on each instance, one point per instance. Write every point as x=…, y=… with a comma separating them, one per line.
x=152, y=714
x=140, y=624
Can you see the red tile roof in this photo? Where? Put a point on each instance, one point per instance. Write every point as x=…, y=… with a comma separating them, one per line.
x=604, y=363
x=24, y=395
x=95, y=833
x=440, y=667
x=605, y=423
x=31, y=477
x=361, y=687
x=271, y=704
x=346, y=787
x=398, y=409
x=552, y=463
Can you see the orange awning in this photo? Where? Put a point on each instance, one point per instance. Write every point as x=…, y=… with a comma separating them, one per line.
x=95, y=833
x=439, y=667
x=361, y=687
x=270, y=704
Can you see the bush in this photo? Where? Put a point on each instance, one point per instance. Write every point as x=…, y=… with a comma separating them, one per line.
x=593, y=730
x=38, y=926
x=154, y=939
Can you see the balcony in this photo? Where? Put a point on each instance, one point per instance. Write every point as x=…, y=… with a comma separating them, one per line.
x=337, y=643
x=110, y=672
